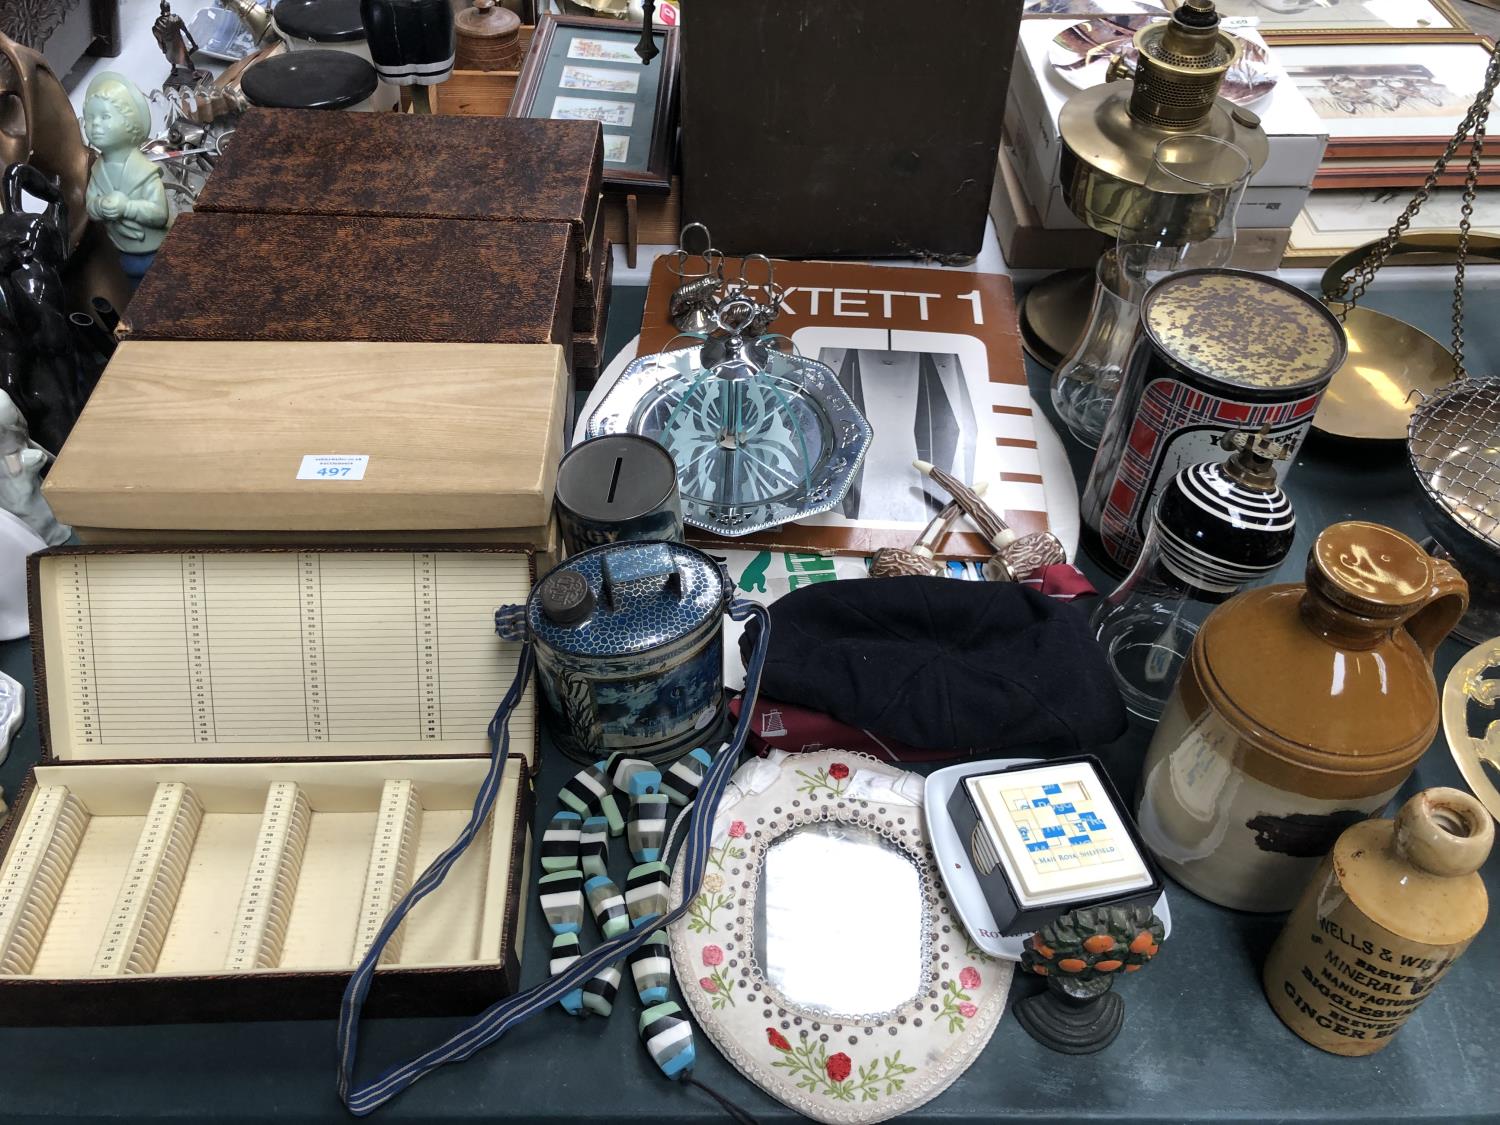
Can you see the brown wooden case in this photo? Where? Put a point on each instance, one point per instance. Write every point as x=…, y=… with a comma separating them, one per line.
x=248, y=755
x=315, y=277
x=884, y=151
x=201, y=441
x=395, y=165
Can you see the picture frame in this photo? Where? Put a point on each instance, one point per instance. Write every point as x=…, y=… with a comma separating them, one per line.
x=583, y=68
x=1384, y=95
x=1079, y=9
x=1336, y=222
x=1417, y=17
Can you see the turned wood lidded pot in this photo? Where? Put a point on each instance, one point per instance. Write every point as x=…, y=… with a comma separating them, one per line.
x=1389, y=911
x=1300, y=710
x=489, y=37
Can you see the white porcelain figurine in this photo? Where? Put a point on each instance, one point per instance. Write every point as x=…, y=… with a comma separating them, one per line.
x=21, y=465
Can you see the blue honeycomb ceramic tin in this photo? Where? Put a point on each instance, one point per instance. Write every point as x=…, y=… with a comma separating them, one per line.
x=630, y=650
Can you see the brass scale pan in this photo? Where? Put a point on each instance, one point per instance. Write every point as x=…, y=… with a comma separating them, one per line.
x=1392, y=366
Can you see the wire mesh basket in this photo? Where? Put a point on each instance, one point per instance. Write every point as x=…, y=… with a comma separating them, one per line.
x=1454, y=446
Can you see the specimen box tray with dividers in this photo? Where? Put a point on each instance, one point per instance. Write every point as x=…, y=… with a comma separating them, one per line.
x=248, y=755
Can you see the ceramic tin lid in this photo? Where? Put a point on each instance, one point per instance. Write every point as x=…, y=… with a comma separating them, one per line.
x=1245, y=329
x=315, y=79
x=626, y=598
x=320, y=21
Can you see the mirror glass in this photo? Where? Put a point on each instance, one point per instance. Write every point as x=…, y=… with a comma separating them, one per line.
x=839, y=921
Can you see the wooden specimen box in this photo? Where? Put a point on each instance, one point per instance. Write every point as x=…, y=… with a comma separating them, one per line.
x=247, y=757
x=321, y=277
x=402, y=166
x=199, y=441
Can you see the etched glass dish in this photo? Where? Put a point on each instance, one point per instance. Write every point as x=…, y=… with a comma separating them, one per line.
x=760, y=437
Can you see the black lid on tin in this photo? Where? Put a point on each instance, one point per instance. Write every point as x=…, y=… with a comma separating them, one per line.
x=321, y=21
x=566, y=597
x=317, y=79
x=1257, y=334
x=615, y=478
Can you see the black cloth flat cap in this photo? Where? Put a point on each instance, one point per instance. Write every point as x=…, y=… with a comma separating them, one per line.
x=943, y=664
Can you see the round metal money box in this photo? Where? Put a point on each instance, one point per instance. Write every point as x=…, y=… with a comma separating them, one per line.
x=1219, y=350
x=630, y=650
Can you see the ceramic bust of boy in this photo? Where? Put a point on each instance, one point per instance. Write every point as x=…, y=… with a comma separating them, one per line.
x=125, y=188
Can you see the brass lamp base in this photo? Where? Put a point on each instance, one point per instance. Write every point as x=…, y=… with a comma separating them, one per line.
x=1107, y=156
x=1054, y=313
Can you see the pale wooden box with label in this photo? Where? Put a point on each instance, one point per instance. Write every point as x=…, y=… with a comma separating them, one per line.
x=191, y=442
x=248, y=755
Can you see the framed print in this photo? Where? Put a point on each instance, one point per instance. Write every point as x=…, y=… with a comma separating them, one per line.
x=581, y=68
x=1398, y=96
x=1343, y=15
x=1335, y=222
x=1093, y=8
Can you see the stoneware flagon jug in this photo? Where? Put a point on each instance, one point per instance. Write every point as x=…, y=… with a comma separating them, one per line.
x=1382, y=922
x=1300, y=710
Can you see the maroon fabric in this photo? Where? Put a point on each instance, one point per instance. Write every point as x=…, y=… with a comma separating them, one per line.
x=785, y=726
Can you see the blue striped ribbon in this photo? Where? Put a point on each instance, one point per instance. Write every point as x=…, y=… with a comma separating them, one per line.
x=499, y=1018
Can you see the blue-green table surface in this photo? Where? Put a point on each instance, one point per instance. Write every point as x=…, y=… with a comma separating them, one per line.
x=1200, y=1042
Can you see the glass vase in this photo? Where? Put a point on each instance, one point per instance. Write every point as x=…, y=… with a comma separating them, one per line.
x=1084, y=384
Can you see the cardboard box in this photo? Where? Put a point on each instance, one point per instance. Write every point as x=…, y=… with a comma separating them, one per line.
x=194, y=440
x=247, y=757
x=1296, y=134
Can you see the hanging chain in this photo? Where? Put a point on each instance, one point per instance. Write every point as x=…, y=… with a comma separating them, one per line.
x=1471, y=186
x=1358, y=279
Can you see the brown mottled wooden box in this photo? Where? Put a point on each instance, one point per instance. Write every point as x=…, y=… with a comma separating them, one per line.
x=396, y=165
x=234, y=276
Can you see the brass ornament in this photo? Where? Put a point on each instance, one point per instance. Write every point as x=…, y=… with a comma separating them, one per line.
x=1465, y=684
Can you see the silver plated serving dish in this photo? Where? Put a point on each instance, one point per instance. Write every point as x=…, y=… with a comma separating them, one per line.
x=760, y=437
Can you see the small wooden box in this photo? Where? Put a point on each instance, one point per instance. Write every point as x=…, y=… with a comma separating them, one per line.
x=192, y=441
x=478, y=92
x=248, y=756
x=475, y=93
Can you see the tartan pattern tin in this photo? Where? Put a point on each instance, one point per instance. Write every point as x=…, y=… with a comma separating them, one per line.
x=1176, y=426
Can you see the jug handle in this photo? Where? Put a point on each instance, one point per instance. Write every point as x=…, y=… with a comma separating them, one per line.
x=1446, y=604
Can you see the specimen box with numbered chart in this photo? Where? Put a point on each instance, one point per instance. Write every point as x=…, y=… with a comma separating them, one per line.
x=248, y=755
x=247, y=441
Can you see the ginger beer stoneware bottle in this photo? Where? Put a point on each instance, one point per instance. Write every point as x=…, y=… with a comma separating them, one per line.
x=1300, y=710
x=1382, y=921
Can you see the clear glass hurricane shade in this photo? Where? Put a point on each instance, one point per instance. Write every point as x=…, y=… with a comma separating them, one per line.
x=1146, y=626
x=1084, y=384
x=1185, y=218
